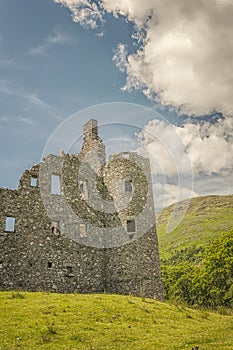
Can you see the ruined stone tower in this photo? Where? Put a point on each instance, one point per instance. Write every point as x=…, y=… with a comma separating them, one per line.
x=79, y=224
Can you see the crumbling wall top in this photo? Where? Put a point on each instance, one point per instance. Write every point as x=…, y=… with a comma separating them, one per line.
x=90, y=129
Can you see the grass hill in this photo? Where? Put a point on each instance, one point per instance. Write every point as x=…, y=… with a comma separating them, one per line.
x=197, y=256
x=206, y=218
x=97, y=322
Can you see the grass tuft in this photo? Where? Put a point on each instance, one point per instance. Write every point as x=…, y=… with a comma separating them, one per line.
x=17, y=295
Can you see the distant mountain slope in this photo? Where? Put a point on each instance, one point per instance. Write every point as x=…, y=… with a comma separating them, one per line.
x=206, y=218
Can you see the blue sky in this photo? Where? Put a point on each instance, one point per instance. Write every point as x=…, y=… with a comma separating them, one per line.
x=52, y=67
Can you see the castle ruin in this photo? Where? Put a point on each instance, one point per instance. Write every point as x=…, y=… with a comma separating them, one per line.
x=79, y=224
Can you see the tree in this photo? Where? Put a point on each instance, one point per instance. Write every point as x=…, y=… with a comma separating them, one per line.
x=215, y=280
x=209, y=285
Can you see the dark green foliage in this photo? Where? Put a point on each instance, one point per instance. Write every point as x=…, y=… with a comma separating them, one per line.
x=178, y=281
x=209, y=285
x=191, y=254
x=215, y=279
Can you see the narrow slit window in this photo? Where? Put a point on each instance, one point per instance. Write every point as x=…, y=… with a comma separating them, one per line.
x=56, y=184
x=34, y=181
x=10, y=224
x=83, y=189
x=128, y=186
x=50, y=264
x=55, y=227
x=69, y=269
x=131, y=226
x=83, y=230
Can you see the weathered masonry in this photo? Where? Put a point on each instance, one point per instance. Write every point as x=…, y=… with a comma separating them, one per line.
x=79, y=224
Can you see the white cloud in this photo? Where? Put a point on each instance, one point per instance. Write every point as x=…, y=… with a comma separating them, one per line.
x=220, y=184
x=4, y=119
x=5, y=62
x=30, y=100
x=88, y=13
x=189, y=160
x=35, y=101
x=186, y=57
x=137, y=11
x=99, y=34
x=4, y=87
x=25, y=120
x=209, y=147
x=120, y=57
x=167, y=194
x=57, y=39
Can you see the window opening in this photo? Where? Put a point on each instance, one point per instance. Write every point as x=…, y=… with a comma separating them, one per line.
x=34, y=181
x=50, y=264
x=126, y=155
x=83, y=189
x=131, y=227
x=55, y=227
x=83, y=230
x=10, y=224
x=128, y=186
x=69, y=269
x=55, y=184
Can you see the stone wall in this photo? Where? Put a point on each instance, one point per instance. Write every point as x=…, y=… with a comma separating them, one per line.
x=82, y=225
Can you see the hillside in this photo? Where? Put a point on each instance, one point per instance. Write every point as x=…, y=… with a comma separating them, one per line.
x=97, y=322
x=206, y=218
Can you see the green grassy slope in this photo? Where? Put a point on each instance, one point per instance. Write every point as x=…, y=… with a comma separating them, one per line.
x=206, y=218
x=98, y=322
